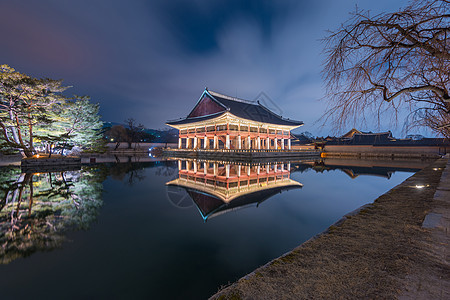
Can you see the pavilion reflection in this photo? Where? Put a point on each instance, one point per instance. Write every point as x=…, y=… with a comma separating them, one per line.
x=217, y=187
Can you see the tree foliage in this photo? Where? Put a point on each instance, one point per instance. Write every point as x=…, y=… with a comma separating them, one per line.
x=380, y=65
x=35, y=111
x=25, y=103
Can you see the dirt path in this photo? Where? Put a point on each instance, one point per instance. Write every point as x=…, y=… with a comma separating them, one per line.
x=396, y=247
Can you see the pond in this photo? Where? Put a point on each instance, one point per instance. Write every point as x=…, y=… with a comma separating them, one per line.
x=173, y=229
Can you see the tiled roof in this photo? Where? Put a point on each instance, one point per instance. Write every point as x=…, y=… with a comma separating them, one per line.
x=240, y=108
x=195, y=119
x=252, y=111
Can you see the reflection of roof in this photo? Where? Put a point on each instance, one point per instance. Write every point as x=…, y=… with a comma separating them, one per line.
x=211, y=202
x=354, y=171
x=240, y=108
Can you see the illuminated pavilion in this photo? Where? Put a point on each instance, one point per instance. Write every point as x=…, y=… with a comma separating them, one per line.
x=222, y=122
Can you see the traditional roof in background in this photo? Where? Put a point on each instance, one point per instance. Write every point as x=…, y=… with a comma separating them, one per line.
x=355, y=131
x=212, y=104
x=386, y=139
x=301, y=139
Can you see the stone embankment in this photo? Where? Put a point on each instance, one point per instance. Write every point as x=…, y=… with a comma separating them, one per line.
x=396, y=247
x=243, y=155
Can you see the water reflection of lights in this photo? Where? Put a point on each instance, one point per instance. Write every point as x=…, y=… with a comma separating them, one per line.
x=421, y=186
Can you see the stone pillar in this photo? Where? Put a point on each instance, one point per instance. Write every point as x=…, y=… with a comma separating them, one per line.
x=239, y=145
x=289, y=144
x=258, y=142
x=282, y=144
x=227, y=144
x=267, y=143
x=205, y=143
x=179, y=143
x=216, y=142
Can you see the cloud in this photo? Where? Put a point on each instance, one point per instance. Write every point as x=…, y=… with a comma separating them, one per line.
x=150, y=60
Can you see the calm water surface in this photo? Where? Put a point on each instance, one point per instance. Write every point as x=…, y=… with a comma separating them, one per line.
x=120, y=231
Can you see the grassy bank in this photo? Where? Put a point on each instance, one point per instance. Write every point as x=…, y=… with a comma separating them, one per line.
x=383, y=251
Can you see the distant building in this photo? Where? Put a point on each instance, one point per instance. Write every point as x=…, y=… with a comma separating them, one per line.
x=383, y=143
x=222, y=122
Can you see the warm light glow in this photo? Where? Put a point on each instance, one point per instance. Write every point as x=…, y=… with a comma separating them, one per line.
x=37, y=155
x=418, y=186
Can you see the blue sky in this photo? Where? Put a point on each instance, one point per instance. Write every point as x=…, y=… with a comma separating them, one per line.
x=151, y=60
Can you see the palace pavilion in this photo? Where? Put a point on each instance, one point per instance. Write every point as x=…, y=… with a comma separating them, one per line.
x=222, y=122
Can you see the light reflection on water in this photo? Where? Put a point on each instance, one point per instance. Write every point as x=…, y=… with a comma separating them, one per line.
x=139, y=230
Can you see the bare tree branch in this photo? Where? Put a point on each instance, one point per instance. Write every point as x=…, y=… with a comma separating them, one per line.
x=381, y=65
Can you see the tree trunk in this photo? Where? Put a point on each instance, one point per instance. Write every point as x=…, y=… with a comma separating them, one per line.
x=13, y=129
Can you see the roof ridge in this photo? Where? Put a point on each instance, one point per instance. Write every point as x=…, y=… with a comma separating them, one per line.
x=231, y=98
x=179, y=119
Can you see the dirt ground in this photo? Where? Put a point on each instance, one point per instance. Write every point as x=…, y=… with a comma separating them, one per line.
x=395, y=248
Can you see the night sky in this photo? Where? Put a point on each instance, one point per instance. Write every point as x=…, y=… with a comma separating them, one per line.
x=151, y=60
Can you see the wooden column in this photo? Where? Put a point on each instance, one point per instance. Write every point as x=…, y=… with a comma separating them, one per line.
x=239, y=145
x=205, y=143
x=289, y=144
x=179, y=143
x=227, y=144
x=282, y=144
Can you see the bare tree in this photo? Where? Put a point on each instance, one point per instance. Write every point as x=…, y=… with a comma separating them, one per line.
x=118, y=134
x=380, y=66
x=134, y=131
